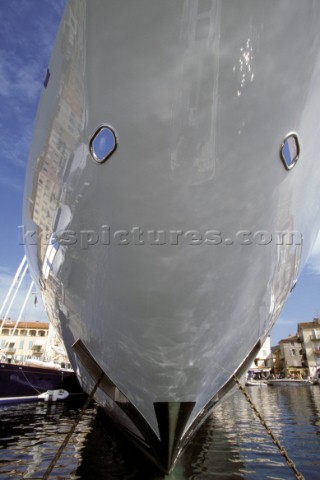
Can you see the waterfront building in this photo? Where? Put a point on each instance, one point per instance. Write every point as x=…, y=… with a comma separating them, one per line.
x=261, y=366
x=28, y=342
x=309, y=336
x=292, y=358
x=276, y=368
x=262, y=359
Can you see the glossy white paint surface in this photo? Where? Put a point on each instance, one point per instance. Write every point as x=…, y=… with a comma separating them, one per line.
x=200, y=95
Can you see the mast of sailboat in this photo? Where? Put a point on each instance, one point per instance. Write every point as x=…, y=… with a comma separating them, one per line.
x=22, y=308
x=14, y=281
x=14, y=294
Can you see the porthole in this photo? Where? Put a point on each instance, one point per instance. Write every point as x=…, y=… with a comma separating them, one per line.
x=290, y=150
x=102, y=144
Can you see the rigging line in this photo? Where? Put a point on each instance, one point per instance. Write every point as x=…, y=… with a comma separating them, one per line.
x=22, y=308
x=72, y=430
x=13, y=297
x=14, y=281
x=34, y=388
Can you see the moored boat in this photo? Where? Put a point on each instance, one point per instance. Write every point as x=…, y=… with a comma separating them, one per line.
x=289, y=382
x=256, y=383
x=22, y=383
x=316, y=378
x=257, y=377
x=171, y=180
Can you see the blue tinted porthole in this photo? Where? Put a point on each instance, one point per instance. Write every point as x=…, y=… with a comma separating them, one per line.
x=290, y=150
x=102, y=144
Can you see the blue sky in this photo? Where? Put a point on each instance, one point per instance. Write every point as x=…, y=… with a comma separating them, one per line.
x=27, y=32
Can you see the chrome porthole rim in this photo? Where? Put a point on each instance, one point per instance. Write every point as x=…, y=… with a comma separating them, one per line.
x=295, y=160
x=94, y=136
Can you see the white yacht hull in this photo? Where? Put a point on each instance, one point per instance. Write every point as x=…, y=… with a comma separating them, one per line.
x=168, y=264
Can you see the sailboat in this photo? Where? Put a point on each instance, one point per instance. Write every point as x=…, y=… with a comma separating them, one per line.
x=29, y=368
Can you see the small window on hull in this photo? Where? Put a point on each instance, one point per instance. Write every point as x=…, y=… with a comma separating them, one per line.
x=290, y=150
x=103, y=144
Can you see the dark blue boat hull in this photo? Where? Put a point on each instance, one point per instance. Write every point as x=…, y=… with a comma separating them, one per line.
x=22, y=380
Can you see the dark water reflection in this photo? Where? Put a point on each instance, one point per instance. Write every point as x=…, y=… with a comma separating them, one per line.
x=231, y=445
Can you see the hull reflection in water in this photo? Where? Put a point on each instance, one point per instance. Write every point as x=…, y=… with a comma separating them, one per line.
x=169, y=197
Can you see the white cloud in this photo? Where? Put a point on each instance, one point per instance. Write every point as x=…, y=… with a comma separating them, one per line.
x=313, y=265
x=28, y=81
x=15, y=150
x=19, y=80
x=19, y=88
x=24, y=57
x=4, y=78
x=316, y=248
x=12, y=182
x=58, y=6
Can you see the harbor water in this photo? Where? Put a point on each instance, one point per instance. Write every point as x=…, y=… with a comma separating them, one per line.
x=232, y=444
